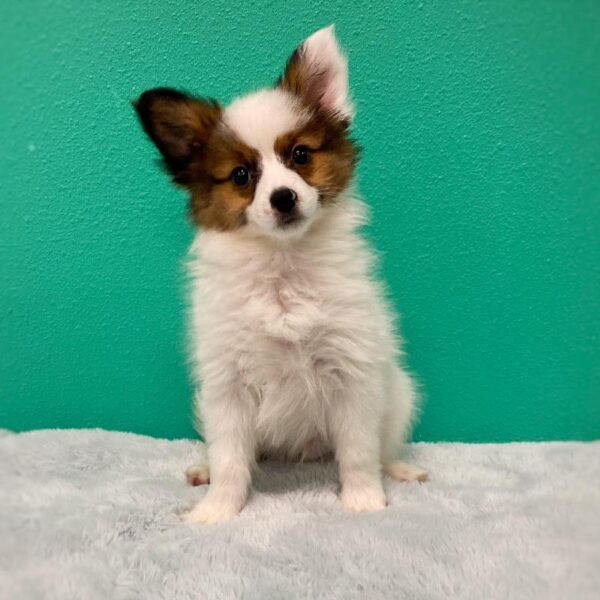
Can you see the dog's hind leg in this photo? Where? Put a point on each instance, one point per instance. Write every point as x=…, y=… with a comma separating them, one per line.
x=396, y=426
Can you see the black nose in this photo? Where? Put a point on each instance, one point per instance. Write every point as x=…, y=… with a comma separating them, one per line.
x=283, y=200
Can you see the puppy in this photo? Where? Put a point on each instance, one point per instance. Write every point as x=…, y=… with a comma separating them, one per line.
x=294, y=349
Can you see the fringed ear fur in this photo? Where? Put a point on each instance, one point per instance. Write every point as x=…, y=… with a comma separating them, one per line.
x=178, y=124
x=318, y=72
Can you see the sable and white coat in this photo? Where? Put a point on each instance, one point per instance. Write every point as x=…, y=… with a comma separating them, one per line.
x=293, y=345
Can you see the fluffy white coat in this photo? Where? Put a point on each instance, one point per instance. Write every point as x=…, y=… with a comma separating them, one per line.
x=293, y=344
x=294, y=347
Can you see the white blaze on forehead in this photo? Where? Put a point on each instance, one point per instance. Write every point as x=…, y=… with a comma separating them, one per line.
x=260, y=118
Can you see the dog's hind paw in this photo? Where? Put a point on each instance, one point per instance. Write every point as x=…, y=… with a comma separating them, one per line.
x=198, y=474
x=401, y=471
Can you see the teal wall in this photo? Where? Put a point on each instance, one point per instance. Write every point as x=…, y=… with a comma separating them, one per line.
x=481, y=132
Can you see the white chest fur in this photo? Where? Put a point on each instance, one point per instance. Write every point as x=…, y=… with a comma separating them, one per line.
x=291, y=324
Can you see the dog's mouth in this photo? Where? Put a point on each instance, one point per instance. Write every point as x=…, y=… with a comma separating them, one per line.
x=290, y=220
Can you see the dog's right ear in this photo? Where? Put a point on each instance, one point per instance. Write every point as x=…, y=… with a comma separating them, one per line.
x=178, y=124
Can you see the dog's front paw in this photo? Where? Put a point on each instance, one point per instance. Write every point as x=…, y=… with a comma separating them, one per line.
x=211, y=511
x=360, y=499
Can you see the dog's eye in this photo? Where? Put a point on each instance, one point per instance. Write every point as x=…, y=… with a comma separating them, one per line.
x=240, y=176
x=300, y=155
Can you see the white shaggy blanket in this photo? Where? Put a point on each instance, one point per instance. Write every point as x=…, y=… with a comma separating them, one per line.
x=90, y=514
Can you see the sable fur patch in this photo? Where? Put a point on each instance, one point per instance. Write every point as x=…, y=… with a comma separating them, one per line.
x=200, y=153
x=333, y=154
x=216, y=202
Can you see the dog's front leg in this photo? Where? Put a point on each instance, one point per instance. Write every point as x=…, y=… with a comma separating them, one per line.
x=229, y=431
x=355, y=428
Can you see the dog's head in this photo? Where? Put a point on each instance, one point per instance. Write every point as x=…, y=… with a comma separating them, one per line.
x=270, y=160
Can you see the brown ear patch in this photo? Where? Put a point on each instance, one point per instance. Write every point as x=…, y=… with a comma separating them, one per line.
x=333, y=155
x=305, y=83
x=295, y=78
x=180, y=126
x=303, y=79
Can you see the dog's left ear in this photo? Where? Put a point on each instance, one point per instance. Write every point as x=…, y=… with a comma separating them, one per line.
x=178, y=124
x=318, y=72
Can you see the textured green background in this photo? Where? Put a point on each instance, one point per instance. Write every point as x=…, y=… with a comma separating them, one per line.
x=481, y=132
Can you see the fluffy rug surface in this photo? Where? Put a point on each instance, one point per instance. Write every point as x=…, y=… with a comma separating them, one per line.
x=88, y=514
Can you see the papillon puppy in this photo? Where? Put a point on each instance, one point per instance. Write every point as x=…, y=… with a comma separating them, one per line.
x=294, y=350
